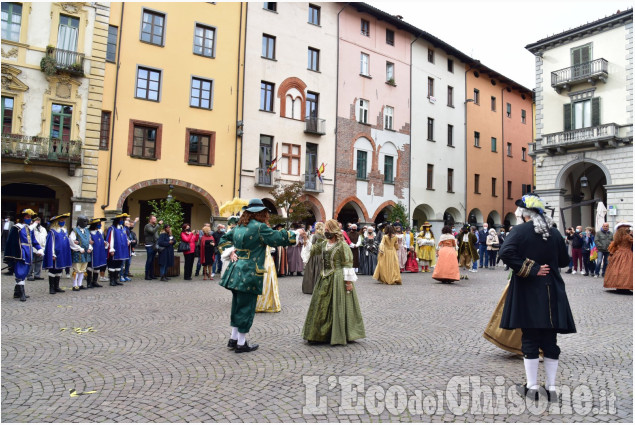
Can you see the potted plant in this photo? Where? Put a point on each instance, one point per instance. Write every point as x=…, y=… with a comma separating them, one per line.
x=171, y=212
x=391, y=81
x=48, y=65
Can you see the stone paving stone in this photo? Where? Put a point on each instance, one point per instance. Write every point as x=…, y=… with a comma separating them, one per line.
x=158, y=353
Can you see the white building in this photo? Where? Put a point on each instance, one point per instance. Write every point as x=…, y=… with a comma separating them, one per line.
x=584, y=120
x=53, y=58
x=290, y=100
x=437, y=188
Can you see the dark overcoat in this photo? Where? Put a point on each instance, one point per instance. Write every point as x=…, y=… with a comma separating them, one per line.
x=536, y=302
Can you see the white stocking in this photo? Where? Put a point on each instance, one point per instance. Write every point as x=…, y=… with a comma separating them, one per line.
x=234, y=332
x=531, y=370
x=80, y=279
x=241, y=338
x=551, y=368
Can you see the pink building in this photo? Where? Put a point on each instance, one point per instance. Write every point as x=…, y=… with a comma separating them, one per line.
x=373, y=114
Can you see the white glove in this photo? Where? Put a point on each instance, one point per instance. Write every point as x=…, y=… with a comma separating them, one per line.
x=81, y=250
x=39, y=252
x=352, y=245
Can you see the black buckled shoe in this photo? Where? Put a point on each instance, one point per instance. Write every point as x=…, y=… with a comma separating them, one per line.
x=552, y=395
x=527, y=392
x=232, y=343
x=246, y=348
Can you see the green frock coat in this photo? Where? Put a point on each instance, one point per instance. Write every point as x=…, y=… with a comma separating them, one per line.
x=246, y=274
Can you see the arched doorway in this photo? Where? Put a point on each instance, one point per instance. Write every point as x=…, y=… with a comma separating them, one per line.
x=383, y=214
x=582, y=181
x=195, y=206
x=421, y=214
x=451, y=216
x=44, y=194
x=510, y=220
x=493, y=219
x=350, y=213
x=475, y=216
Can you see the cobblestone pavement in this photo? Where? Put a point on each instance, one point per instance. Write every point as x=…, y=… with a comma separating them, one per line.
x=158, y=354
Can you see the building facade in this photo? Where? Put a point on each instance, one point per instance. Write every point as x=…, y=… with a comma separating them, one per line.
x=172, y=100
x=437, y=189
x=289, y=113
x=584, y=120
x=373, y=114
x=53, y=57
x=499, y=133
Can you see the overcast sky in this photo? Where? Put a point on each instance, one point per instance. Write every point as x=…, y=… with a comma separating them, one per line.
x=496, y=32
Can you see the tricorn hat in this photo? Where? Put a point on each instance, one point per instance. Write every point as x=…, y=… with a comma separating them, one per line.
x=58, y=217
x=255, y=205
x=531, y=201
x=122, y=215
x=28, y=211
x=96, y=220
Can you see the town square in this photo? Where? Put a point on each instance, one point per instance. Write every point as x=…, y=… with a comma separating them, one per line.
x=317, y=212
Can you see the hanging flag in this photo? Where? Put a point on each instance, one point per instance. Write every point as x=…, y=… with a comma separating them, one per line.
x=273, y=166
x=320, y=171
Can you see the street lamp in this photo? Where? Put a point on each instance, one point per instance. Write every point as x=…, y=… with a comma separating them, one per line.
x=584, y=182
x=170, y=197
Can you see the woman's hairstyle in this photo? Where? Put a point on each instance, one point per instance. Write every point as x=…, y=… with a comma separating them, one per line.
x=446, y=230
x=319, y=228
x=492, y=231
x=184, y=226
x=261, y=216
x=389, y=230
x=166, y=226
x=333, y=226
x=591, y=229
x=542, y=223
x=622, y=236
x=207, y=230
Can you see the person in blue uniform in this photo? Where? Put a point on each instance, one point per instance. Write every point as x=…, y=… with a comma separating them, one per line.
x=57, y=254
x=20, y=244
x=97, y=260
x=244, y=275
x=118, y=249
x=82, y=247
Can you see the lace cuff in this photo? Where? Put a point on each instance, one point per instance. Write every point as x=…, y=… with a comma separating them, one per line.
x=349, y=274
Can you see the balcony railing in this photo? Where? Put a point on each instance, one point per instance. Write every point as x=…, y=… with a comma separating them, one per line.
x=44, y=149
x=315, y=126
x=592, y=71
x=266, y=178
x=598, y=136
x=312, y=183
x=65, y=60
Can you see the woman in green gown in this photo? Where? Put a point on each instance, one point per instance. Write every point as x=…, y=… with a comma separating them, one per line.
x=334, y=315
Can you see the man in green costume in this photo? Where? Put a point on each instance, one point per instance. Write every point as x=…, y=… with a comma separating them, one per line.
x=245, y=273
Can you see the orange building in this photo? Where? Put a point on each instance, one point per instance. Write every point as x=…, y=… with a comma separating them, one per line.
x=498, y=134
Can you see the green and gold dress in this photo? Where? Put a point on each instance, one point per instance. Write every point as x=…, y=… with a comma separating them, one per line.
x=334, y=315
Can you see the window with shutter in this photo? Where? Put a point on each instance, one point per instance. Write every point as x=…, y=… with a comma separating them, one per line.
x=567, y=117
x=595, y=111
x=580, y=58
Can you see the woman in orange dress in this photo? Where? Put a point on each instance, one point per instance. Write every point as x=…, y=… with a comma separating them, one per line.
x=619, y=273
x=387, y=270
x=447, y=268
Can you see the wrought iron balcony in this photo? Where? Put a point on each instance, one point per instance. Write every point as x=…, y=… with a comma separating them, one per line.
x=598, y=136
x=41, y=149
x=312, y=183
x=315, y=126
x=63, y=60
x=266, y=178
x=590, y=72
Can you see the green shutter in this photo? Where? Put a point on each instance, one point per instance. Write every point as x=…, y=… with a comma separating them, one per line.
x=595, y=111
x=567, y=117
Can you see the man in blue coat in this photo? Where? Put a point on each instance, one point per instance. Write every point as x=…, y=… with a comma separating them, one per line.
x=536, y=300
x=57, y=254
x=20, y=244
x=244, y=275
x=118, y=248
x=99, y=255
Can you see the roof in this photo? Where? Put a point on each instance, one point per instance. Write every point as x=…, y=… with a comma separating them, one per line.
x=436, y=42
x=585, y=29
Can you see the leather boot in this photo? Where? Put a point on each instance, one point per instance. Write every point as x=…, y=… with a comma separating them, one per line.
x=95, y=280
x=16, y=291
x=57, y=284
x=111, y=276
x=52, y=285
x=23, y=296
x=118, y=278
x=89, y=279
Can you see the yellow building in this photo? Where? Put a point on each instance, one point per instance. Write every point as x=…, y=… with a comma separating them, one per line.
x=171, y=105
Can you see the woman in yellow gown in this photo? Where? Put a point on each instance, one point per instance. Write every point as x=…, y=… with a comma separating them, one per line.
x=387, y=270
x=269, y=301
